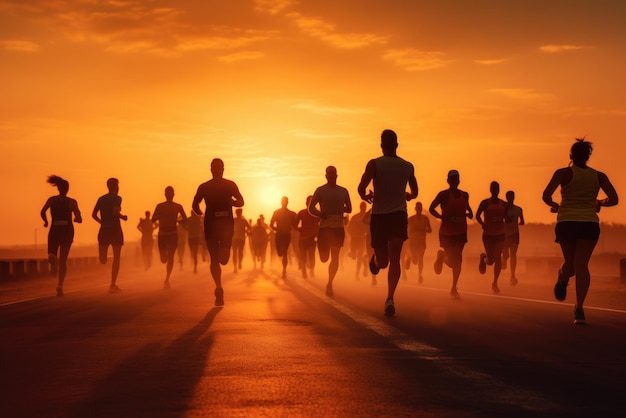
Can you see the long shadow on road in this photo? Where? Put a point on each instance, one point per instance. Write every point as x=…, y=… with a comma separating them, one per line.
x=155, y=381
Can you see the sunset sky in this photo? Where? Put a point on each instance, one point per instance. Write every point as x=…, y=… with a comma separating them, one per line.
x=149, y=91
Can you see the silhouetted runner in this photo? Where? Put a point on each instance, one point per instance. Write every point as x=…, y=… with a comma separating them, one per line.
x=282, y=223
x=147, y=228
x=167, y=215
x=308, y=227
x=513, y=219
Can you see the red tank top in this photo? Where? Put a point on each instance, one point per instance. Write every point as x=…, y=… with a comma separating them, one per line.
x=494, y=216
x=453, y=212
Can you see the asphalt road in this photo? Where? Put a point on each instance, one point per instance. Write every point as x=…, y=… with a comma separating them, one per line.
x=281, y=348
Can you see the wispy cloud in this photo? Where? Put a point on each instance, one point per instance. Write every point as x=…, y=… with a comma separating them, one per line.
x=522, y=94
x=19, y=46
x=273, y=7
x=242, y=56
x=491, y=61
x=416, y=60
x=555, y=49
x=327, y=32
x=329, y=110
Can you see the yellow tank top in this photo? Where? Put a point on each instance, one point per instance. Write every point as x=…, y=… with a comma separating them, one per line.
x=578, y=197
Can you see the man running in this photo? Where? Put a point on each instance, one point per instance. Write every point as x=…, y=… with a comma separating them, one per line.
x=514, y=218
x=282, y=223
x=107, y=213
x=166, y=215
x=390, y=176
x=219, y=195
x=333, y=201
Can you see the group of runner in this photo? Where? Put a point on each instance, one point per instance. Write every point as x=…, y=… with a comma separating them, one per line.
x=384, y=185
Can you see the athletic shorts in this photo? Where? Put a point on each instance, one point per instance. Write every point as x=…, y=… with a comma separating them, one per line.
x=512, y=239
x=446, y=241
x=387, y=226
x=167, y=242
x=330, y=237
x=493, y=239
x=282, y=243
x=60, y=236
x=220, y=230
x=570, y=231
x=111, y=236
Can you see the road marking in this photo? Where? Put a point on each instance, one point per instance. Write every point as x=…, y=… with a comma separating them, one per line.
x=498, y=391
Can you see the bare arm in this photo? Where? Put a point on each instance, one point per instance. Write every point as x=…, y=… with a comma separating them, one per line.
x=605, y=184
x=555, y=181
x=43, y=215
x=368, y=176
x=312, y=207
x=470, y=213
x=413, y=187
x=479, y=212
x=433, y=206
x=347, y=206
x=77, y=215
x=94, y=214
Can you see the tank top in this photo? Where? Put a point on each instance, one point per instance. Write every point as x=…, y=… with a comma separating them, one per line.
x=495, y=213
x=578, y=197
x=392, y=176
x=453, y=212
x=60, y=211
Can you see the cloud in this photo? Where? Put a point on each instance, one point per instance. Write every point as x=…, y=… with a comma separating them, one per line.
x=491, y=61
x=273, y=7
x=416, y=60
x=19, y=46
x=522, y=94
x=319, y=29
x=329, y=110
x=555, y=49
x=242, y=56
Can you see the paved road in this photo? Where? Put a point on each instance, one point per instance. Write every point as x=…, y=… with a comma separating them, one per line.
x=281, y=348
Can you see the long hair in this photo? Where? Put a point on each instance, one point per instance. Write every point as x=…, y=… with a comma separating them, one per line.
x=61, y=184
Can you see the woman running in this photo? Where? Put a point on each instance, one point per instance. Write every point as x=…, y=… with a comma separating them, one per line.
x=61, y=232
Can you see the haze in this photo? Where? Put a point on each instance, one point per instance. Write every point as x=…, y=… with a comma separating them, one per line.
x=150, y=91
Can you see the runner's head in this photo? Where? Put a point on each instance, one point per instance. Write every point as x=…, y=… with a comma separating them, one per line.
x=388, y=141
x=581, y=151
x=453, y=178
x=113, y=185
x=61, y=184
x=331, y=174
x=217, y=168
x=169, y=193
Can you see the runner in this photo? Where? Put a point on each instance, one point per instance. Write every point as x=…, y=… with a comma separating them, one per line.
x=494, y=210
x=390, y=176
x=419, y=226
x=146, y=227
x=514, y=218
x=333, y=201
x=282, y=223
x=358, y=236
x=307, y=225
x=107, y=213
x=167, y=215
x=219, y=195
x=61, y=234
x=455, y=210
x=578, y=228
x=241, y=231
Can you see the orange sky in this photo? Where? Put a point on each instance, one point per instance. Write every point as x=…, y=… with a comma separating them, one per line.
x=149, y=91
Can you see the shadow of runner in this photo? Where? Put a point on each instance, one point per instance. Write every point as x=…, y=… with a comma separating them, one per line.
x=156, y=381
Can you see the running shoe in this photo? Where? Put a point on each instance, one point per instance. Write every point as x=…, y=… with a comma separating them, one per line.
x=513, y=281
x=390, y=308
x=59, y=291
x=482, y=265
x=329, y=290
x=454, y=294
x=560, y=288
x=373, y=267
x=114, y=289
x=579, y=316
x=166, y=284
x=495, y=289
x=439, y=261
x=219, y=297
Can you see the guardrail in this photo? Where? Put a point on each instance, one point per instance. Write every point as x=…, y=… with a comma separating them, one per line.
x=18, y=268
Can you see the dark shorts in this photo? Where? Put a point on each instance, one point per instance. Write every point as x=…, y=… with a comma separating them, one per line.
x=282, y=243
x=447, y=241
x=60, y=236
x=493, y=239
x=330, y=237
x=570, y=231
x=512, y=239
x=110, y=236
x=388, y=226
x=167, y=242
x=219, y=230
